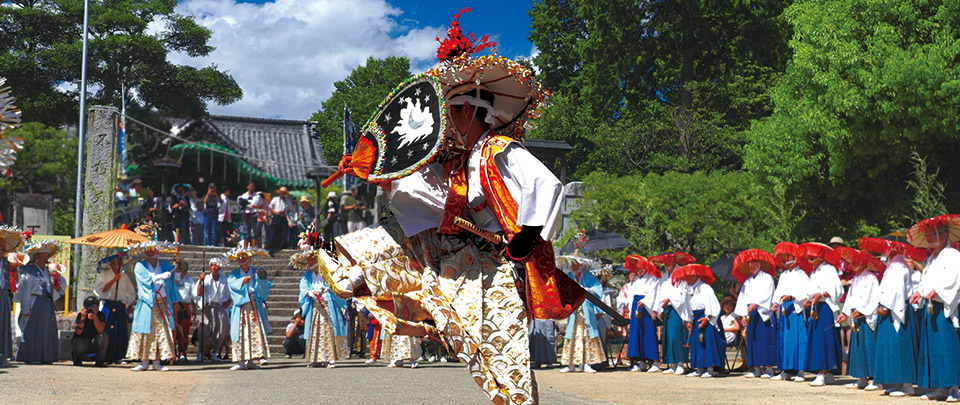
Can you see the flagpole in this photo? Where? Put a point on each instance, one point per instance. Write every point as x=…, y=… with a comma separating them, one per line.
x=81, y=132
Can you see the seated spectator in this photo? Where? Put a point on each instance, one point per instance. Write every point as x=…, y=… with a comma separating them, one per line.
x=731, y=326
x=294, y=342
x=89, y=337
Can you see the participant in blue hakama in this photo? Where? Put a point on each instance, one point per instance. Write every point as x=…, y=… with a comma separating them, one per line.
x=249, y=288
x=582, y=344
x=152, y=337
x=861, y=306
x=642, y=339
x=673, y=333
x=37, y=289
x=790, y=293
x=823, y=335
x=117, y=296
x=11, y=240
x=895, y=367
x=700, y=313
x=754, y=268
x=938, y=365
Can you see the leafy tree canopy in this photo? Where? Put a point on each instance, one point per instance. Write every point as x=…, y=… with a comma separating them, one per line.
x=869, y=83
x=362, y=91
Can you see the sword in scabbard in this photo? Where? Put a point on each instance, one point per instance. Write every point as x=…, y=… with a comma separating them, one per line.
x=495, y=238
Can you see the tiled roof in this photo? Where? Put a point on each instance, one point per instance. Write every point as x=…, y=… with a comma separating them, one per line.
x=284, y=149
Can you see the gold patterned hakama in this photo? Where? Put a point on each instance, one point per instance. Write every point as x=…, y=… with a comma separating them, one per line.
x=322, y=345
x=156, y=345
x=252, y=342
x=400, y=347
x=581, y=348
x=470, y=294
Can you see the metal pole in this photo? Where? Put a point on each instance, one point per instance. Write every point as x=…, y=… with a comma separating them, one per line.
x=78, y=209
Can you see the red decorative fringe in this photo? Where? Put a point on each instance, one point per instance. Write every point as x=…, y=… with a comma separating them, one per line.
x=703, y=272
x=640, y=265
x=741, y=271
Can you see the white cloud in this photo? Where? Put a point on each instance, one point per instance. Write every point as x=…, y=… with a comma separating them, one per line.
x=285, y=55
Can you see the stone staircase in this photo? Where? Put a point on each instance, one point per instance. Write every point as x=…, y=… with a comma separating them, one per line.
x=283, y=298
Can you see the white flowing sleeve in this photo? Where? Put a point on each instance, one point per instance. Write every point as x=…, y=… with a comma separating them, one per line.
x=742, y=305
x=711, y=305
x=101, y=282
x=871, y=300
x=894, y=289
x=534, y=187
x=944, y=278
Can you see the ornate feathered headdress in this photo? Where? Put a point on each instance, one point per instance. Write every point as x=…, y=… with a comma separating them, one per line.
x=158, y=246
x=238, y=253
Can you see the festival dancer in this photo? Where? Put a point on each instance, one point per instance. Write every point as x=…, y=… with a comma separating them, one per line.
x=938, y=365
x=213, y=298
x=184, y=310
x=152, y=338
x=824, y=289
x=895, y=368
x=325, y=327
x=700, y=314
x=642, y=298
x=11, y=241
x=863, y=298
x=582, y=338
x=754, y=268
x=117, y=296
x=789, y=296
x=673, y=334
x=249, y=288
x=482, y=175
x=37, y=289
x=374, y=337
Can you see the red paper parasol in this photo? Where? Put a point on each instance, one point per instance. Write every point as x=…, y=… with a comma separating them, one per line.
x=849, y=255
x=741, y=269
x=891, y=248
x=815, y=250
x=916, y=233
x=639, y=265
x=699, y=270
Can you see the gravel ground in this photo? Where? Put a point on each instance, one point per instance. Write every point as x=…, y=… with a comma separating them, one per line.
x=289, y=381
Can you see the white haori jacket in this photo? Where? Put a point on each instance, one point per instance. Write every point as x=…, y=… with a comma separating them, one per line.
x=825, y=279
x=793, y=282
x=943, y=276
x=864, y=296
x=757, y=289
x=895, y=289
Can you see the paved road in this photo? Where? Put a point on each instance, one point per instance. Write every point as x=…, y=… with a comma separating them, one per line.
x=290, y=382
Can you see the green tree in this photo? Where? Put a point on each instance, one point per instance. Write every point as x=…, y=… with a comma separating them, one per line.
x=708, y=215
x=869, y=82
x=41, y=50
x=659, y=86
x=362, y=91
x=47, y=164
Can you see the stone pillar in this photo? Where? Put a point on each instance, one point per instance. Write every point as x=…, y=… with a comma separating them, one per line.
x=100, y=179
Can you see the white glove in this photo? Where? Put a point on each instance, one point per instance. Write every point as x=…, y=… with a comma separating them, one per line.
x=161, y=276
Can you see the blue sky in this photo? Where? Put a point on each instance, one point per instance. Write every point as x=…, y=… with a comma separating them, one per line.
x=286, y=54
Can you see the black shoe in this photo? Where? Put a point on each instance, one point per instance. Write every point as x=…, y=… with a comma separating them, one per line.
x=100, y=364
x=78, y=363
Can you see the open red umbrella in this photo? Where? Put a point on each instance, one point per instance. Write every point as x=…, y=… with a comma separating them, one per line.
x=699, y=270
x=890, y=248
x=916, y=235
x=741, y=264
x=639, y=265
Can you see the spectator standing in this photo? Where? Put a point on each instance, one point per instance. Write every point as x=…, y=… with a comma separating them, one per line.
x=211, y=208
x=279, y=207
x=250, y=203
x=330, y=217
x=181, y=212
x=224, y=219
x=89, y=336
x=196, y=220
x=354, y=208
x=307, y=213
x=133, y=201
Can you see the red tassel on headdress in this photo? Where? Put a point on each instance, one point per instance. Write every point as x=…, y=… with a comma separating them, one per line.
x=702, y=271
x=680, y=258
x=639, y=265
x=784, y=249
x=455, y=44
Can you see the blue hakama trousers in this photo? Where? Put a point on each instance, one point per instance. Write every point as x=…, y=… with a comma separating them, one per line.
x=117, y=328
x=793, y=338
x=762, y=350
x=709, y=353
x=823, y=340
x=938, y=364
x=896, y=359
x=863, y=350
x=6, y=327
x=642, y=339
x=673, y=337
